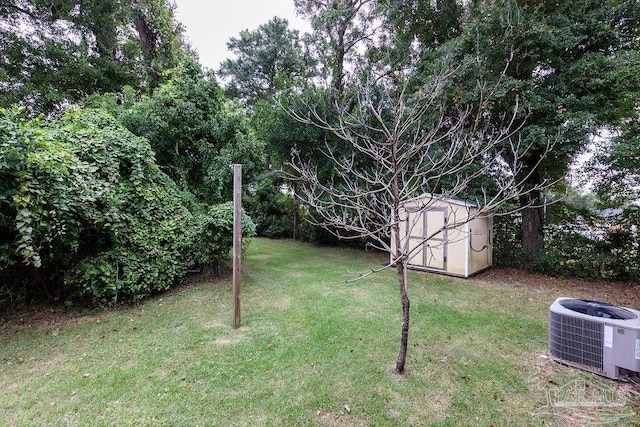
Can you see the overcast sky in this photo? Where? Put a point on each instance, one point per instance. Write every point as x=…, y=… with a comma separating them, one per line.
x=210, y=24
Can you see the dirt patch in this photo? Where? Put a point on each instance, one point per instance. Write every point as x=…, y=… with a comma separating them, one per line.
x=261, y=257
x=226, y=341
x=333, y=418
x=284, y=304
x=214, y=325
x=619, y=293
x=43, y=319
x=574, y=397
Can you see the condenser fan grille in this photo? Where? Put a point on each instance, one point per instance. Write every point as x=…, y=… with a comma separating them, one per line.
x=576, y=340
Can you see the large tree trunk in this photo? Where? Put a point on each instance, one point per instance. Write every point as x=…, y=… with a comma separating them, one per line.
x=532, y=210
x=532, y=231
x=532, y=220
x=404, y=299
x=338, y=69
x=147, y=44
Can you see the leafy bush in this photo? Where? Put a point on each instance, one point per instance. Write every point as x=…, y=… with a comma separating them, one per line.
x=507, y=243
x=86, y=210
x=271, y=209
x=318, y=235
x=574, y=249
x=194, y=131
x=611, y=254
x=215, y=233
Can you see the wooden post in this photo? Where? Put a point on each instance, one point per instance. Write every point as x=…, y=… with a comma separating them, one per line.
x=237, y=242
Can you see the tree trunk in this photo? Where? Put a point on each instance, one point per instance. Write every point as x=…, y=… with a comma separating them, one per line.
x=340, y=54
x=404, y=299
x=147, y=45
x=338, y=70
x=533, y=211
x=532, y=222
x=399, y=258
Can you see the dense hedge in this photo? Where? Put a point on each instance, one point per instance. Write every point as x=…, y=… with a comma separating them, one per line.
x=609, y=251
x=86, y=212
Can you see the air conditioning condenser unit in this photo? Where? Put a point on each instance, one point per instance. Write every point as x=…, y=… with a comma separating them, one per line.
x=595, y=336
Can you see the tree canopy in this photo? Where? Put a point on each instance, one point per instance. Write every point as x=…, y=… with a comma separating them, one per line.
x=194, y=131
x=267, y=59
x=57, y=52
x=566, y=68
x=562, y=72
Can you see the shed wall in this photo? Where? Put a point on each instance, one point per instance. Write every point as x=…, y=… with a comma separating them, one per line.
x=480, y=249
x=460, y=251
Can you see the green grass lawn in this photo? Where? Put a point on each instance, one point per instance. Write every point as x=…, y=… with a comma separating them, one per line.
x=312, y=351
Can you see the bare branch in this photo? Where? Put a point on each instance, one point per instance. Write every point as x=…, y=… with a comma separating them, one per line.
x=408, y=143
x=405, y=144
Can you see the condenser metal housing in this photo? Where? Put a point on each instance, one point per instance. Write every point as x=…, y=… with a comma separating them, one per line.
x=595, y=336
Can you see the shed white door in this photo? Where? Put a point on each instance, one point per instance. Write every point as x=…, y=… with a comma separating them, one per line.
x=426, y=229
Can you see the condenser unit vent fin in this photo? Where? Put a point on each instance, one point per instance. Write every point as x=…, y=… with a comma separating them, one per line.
x=576, y=340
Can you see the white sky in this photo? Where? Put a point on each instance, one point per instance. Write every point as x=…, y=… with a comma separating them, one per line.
x=210, y=24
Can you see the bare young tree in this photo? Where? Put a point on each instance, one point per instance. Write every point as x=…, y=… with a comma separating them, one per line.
x=406, y=143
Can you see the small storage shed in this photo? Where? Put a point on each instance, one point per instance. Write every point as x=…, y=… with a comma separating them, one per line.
x=447, y=236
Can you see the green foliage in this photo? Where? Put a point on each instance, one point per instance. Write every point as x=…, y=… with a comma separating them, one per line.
x=318, y=235
x=578, y=243
x=43, y=185
x=195, y=134
x=570, y=66
x=282, y=133
x=270, y=208
x=613, y=254
x=342, y=30
x=217, y=231
x=57, y=52
x=159, y=36
x=157, y=254
x=506, y=239
x=84, y=203
x=418, y=25
x=268, y=59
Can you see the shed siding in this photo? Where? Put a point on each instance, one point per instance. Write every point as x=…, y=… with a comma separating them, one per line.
x=461, y=251
x=457, y=261
x=480, y=253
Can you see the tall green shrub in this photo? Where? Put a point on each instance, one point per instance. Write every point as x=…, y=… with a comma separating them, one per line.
x=86, y=209
x=195, y=132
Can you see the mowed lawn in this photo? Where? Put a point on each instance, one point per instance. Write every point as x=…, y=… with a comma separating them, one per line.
x=312, y=350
